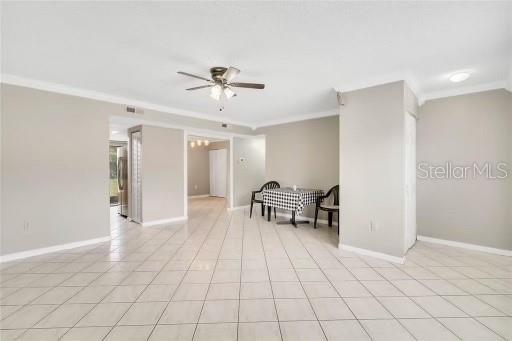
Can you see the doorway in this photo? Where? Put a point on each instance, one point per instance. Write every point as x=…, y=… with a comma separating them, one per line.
x=208, y=167
x=118, y=173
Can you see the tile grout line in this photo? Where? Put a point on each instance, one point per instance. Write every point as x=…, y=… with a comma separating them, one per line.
x=57, y=306
x=240, y=277
x=230, y=215
x=116, y=286
x=131, y=272
x=295, y=271
x=414, y=301
x=268, y=272
x=190, y=264
x=197, y=229
x=333, y=286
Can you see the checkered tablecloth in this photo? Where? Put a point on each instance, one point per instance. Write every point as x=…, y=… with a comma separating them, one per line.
x=288, y=199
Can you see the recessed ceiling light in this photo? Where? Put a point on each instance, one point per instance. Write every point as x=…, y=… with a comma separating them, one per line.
x=114, y=132
x=459, y=77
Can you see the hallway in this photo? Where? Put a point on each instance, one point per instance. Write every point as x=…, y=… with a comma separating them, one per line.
x=223, y=276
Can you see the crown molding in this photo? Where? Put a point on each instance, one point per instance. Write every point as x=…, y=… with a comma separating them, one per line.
x=298, y=118
x=126, y=122
x=465, y=90
x=400, y=76
x=404, y=76
x=101, y=96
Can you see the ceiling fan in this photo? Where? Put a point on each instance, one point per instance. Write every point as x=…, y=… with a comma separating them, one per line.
x=220, y=82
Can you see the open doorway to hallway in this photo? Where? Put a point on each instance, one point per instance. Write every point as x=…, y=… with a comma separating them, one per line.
x=208, y=167
x=118, y=172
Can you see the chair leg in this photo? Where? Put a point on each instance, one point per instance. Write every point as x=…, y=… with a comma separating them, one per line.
x=275, y=213
x=338, y=216
x=250, y=214
x=316, y=217
x=330, y=219
x=269, y=212
x=262, y=210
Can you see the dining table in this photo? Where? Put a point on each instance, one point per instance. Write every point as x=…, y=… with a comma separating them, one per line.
x=290, y=199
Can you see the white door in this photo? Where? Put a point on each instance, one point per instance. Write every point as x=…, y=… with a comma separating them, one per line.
x=218, y=172
x=410, y=180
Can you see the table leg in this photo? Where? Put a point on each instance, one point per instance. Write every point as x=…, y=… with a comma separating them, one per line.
x=269, y=210
x=292, y=221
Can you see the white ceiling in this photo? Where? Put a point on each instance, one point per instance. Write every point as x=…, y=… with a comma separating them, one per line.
x=301, y=50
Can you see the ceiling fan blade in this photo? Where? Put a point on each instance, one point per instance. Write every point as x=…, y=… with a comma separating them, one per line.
x=248, y=85
x=200, y=87
x=191, y=75
x=230, y=73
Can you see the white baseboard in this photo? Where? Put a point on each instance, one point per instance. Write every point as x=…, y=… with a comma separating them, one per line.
x=165, y=221
x=238, y=208
x=467, y=246
x=374, y=254
x=311, y=220
x=198, y=196
x=50, y=249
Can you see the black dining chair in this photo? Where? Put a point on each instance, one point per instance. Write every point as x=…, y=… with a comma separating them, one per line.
x=330, y=208
x=268, y=185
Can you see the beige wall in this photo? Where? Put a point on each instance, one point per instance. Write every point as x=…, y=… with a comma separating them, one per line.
x=372, y=169
x=462, y=129
x=162, y=173
x=65, y=138
x=55, y=171
x=248, y=168
x=304, y=153
x=198, y=168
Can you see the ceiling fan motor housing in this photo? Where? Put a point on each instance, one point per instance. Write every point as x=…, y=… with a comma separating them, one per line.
x=217, y=73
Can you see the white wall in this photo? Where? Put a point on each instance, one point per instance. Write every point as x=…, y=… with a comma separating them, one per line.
x=162, y=173
x=248, y=168
x=55, y=170
x=372, y=169
x=466, y=129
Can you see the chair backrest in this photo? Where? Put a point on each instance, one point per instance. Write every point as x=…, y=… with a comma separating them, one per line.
x=270, y=185
x=335, y=192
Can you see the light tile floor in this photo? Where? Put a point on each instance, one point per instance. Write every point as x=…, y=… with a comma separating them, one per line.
x=223, y=276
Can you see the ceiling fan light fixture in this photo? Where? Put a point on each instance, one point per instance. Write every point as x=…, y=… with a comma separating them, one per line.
x=216, y=92
x=228, y=92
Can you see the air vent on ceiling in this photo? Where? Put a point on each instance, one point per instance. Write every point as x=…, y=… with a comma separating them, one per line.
x=134, y=110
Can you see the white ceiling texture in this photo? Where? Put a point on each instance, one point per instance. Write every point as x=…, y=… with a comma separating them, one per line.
x=300, y=50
